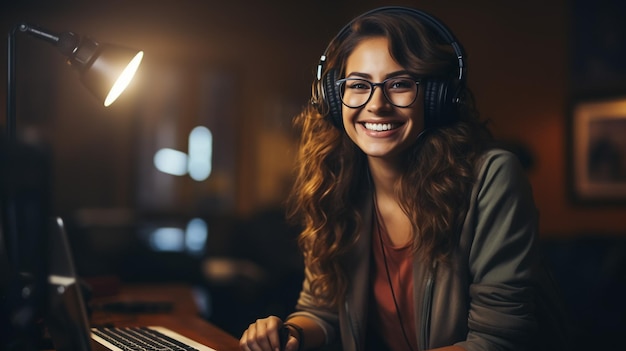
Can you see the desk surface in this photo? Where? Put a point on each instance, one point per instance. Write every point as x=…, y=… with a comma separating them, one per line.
x=183, y=318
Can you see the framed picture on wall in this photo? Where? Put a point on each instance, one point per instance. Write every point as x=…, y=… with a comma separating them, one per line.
x=598, y=150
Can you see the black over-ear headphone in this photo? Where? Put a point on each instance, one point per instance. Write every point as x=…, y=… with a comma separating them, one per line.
x=440, y=95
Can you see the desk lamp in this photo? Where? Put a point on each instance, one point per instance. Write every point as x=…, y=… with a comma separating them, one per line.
x=106, y=70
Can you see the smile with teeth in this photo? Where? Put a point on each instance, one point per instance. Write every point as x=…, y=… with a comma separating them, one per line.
x=380, y=127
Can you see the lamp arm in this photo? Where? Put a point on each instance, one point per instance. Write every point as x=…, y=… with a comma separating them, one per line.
x=66, y=42
x=10, y=118
x=38, y=33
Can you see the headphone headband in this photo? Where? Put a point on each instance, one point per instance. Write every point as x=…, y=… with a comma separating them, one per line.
x=440, y=97
x=433, y=22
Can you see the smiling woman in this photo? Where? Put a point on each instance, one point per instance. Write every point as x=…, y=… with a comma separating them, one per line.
x=418, y=233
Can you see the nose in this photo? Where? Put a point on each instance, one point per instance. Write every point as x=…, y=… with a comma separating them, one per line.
x=378, y=100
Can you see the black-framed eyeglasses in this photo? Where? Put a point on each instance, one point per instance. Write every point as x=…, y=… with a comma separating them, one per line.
x=399, y=91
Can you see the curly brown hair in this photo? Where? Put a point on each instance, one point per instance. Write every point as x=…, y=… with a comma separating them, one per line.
x=332, y=176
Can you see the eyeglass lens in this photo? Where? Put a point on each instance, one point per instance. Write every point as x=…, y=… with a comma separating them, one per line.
x=356, y=92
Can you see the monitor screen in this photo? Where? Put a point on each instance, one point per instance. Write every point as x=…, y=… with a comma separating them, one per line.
x=25, y=205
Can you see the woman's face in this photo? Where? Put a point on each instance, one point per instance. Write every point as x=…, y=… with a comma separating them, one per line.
x=379, y=128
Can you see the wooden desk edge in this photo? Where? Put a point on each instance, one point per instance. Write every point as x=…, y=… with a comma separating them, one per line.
x=183, y=319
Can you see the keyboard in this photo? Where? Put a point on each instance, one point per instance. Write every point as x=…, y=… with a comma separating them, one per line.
x=144, y=339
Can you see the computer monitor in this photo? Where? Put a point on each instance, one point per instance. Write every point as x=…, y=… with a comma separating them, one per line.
x=25, y=178
x=65, y=316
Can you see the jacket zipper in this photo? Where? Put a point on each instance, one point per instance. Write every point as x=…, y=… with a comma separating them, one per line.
x=426, y=309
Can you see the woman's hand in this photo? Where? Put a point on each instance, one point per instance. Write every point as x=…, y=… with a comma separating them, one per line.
x=264, y=335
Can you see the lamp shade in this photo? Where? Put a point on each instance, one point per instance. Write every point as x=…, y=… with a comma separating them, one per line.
x=105, y=69
x=111, y=71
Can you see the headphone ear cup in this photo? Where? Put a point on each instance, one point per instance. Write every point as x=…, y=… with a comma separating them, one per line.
x=431, y=92
x=439, y=108
x=332, y=98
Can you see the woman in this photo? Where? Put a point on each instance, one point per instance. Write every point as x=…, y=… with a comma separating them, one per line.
x=418, y=234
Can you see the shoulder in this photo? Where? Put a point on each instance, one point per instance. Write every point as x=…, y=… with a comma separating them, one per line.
x=494, y=159
x=499, y=167
x=500, y=173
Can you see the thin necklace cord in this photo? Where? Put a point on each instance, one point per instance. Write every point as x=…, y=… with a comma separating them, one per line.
x=378, y=219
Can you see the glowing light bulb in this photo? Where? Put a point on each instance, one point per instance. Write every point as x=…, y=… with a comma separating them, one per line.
x=124, y=79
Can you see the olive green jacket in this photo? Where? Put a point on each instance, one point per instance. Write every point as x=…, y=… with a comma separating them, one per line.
x=494, y=293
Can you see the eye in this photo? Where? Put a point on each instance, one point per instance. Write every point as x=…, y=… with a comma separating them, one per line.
x=356, y=84
x=400, y=84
